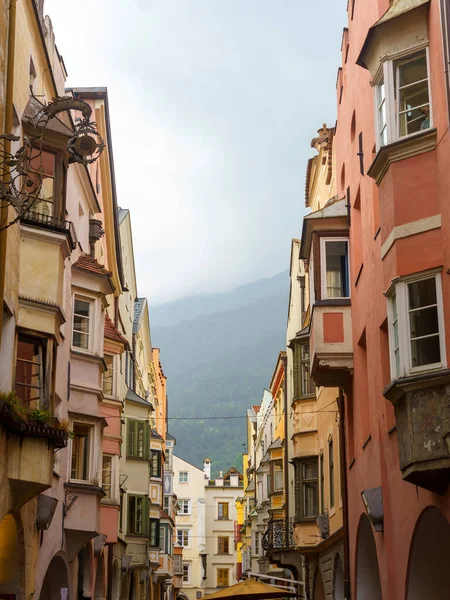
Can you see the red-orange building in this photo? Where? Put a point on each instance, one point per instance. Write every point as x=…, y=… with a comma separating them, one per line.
x=391, y=273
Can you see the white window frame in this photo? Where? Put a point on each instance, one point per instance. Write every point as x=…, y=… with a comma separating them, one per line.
x=114, y=497
x=182, y=502
x=386, y=74
x=183, y=566
x=184, y=473
x=399, y=290
x=91, y=318
x=185, y=530
x=323, y=267
x=113, y=387
x=93, y=448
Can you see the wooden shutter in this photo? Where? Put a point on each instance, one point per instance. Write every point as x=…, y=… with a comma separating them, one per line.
x=145, y=517
x=146, y=440
x=131, y=438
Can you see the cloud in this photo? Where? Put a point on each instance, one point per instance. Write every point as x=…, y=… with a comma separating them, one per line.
x=213, y=105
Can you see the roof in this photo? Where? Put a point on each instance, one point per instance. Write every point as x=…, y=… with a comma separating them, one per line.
x=276, y=444
x=170, y=437
x=112, y=333
x=251, y=486
x=233, y=471
x=396, y=9
x=87, y=263
x=335, y=207
x=139, y=305
x=133, y=397
x=155, y=435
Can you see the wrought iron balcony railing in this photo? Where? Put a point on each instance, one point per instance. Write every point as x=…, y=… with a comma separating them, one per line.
x=279, y=535
x=57, y=224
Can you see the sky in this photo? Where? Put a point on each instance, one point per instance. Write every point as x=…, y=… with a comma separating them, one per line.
x=213, y=106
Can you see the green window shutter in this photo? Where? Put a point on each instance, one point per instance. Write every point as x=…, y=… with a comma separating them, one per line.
x=296, y=372
x=146, y=440
x=145, y=517
x=131, y=436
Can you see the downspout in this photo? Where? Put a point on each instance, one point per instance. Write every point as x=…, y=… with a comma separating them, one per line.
x=445, y=25
x=7, y=129
x=343, y=461
x=286, y=448
x=110, y=572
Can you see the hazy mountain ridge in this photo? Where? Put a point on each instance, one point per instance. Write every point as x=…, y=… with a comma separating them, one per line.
x=217, y=364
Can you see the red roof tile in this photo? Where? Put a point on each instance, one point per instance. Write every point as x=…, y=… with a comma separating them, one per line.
x=256, y=408
x=87, y=263
x=112, y=333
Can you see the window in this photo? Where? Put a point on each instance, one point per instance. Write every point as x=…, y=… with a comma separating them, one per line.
x=177, y=566
x=307, y=385
x=186, y=573
x=256, y=543
x=416, y=326
x=322, y=485
x=183, y=477
x=129, y=370
x=223, y=510
x=166, y=504
x=154, y=533
x=335, y=271
x=402, y=98
x=30, y=368
x=222, y=577
x=183, y=537
x=155, y=463
x=223, y=545
x=108, y=375
x=107, y=476
x=81, y=323
x=121, y=510
x=331, y=471
x=137, y=515
x=306, y=488
x=278, y=477
x=138, y=439
x=79, y=465
x=42, y=174
x=184, y=507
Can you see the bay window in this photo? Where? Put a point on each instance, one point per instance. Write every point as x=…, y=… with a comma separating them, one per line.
x=306, y=488
x=81, y=451
x=30, y=371
x=335, y=268
x=416, y=331
x=402, y=98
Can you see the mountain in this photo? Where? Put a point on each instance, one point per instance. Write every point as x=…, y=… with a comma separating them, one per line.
x=217, y=364
x=172, y=313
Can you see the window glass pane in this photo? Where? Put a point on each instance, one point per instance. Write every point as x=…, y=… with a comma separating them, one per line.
x=81, y=324
x=422, y=293
x=106, y=475
x=42, y=169
x=336, y=259
x=309, y=499
x=424, y=322
x=108, y=376
x=80, y=452
x=425, y=351
x=310, y=470
x=413, y=102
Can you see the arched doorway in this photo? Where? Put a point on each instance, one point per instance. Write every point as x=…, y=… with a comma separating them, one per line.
x=56, y=580
x=319, y=591
x=99, y=591
x=338, y=579
x=10, y=557
x=368, y=585
x=429, y=558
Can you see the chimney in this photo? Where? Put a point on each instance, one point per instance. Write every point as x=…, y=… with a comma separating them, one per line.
x=207, y=468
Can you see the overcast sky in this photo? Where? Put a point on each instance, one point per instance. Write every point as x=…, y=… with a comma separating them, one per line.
x=213, y=107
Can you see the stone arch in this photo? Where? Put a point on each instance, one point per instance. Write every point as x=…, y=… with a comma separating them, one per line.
x=429, y=557
x=100, y=584
x=12, y=554
x=368, y=584
x=319, y=590
x=56, y=580
x=338, y=579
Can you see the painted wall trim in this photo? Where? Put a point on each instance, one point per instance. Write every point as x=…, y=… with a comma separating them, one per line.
x=408, y=229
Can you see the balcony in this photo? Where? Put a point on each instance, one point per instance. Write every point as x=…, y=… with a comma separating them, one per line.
x=56, y=224
x=331, y=343
x=422, y=413
x=279, y=536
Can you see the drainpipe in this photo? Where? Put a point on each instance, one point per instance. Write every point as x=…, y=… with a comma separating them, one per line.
x=347, y=593
x=286, y=449
x=110, y=572
x=7, y=129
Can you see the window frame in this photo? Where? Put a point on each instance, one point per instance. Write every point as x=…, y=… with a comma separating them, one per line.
x=91, y=442
x=274, y=468
x=183, y=531
x=154, y=533
x=108, y=375
x=91, y=318
x=45, y=374
x=186, y=573
x=180, y=510
x=223, y=504
x=323, y=267
x=398, y=296
x=144, y=515
x=385, y=75
x=134, y=452
x=108, y=497
x=61, y=166
x=300, y=482
x=155, y=460
x=223, y=540
x=221, y=577
x=184, y=473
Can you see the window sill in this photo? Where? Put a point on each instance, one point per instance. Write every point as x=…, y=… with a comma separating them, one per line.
x=84, y=487
x=421, y=142
x=333, y=302
x=397, y=388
